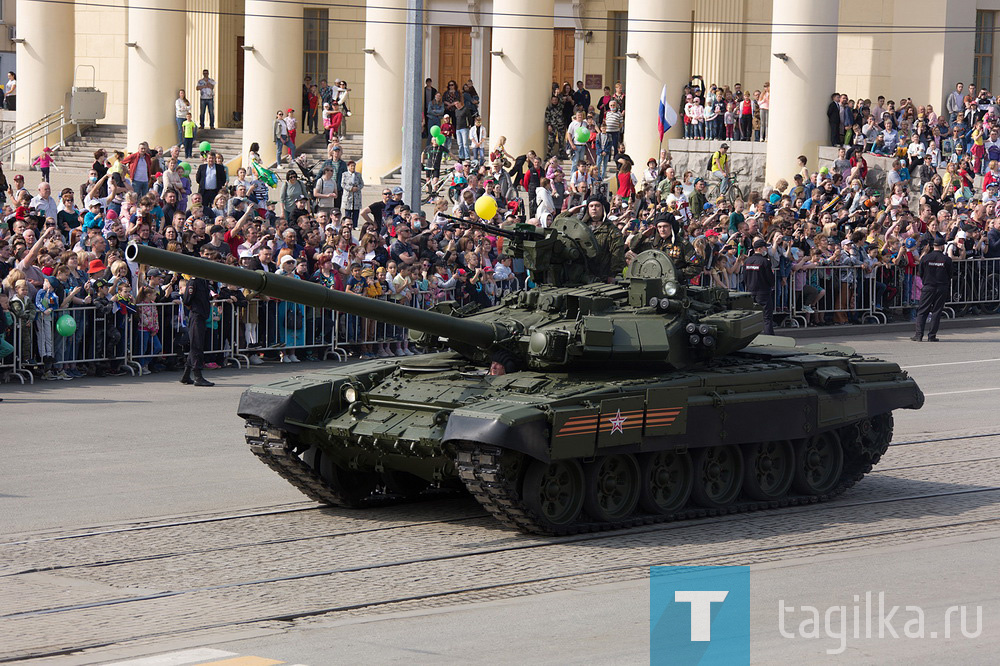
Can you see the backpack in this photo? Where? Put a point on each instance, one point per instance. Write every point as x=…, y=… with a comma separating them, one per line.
x=711, y=158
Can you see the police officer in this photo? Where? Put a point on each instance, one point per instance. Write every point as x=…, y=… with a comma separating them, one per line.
x=758, y=277
x=936, y=270
x=197, y=301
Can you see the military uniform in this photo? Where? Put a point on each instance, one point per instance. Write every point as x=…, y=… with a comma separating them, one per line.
x=197, y=299
x=935, y=270
x=554, y=119
x=758, y=276
x=686, y=261
x=611, y=261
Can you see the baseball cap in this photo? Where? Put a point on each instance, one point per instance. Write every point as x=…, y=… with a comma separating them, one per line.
x=711, y=233
x=910, y=242
x=154, y=272
x=760, y=242
x=302, y=197
x=397, y=190
x=217, y=229
x=245, y=254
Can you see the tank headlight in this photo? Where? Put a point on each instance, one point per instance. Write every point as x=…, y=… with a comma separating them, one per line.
x=351, y=394
x=670, y=289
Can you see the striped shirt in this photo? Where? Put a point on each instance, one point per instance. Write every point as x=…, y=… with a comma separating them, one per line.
x=613, y=119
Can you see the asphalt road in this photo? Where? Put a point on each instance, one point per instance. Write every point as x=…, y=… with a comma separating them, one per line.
x=112, y=452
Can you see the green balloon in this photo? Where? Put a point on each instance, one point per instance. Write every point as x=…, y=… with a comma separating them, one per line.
x=204, y=147
x=186, y=168
x=66, y=325
x=582, y=135
x=441, y=140
x=436, y=131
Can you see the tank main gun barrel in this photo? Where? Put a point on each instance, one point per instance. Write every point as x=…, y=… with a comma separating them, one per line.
x=299, y=291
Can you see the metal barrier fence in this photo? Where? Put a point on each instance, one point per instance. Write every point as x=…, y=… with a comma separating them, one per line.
x=870, y=294
x=239, y=331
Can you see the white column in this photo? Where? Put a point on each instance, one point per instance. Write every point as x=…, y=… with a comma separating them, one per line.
x=272, y=72
x=663, y=59
x=155, y=71
x=802, y=80
x=521, y=78
x=46, y=55
x=385, y=42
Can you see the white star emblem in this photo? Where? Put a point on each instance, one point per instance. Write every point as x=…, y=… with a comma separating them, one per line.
x=617, y=422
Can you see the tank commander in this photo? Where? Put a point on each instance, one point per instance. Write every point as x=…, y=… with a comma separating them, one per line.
x=610, y=261
x=665, y=235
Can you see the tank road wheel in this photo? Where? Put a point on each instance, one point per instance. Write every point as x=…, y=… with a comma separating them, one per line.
x=611, y=488
x=402, y=484
x=667, y=477
x=768, y=469
x=351, y=487
x=819, y=462
x=718, y=476
x=554, y=493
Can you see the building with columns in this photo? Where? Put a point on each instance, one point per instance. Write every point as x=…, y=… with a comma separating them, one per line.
x=258, y=51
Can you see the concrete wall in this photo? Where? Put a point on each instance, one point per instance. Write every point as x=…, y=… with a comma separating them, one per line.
x=347, y=58
x=595, y=53
x=101, y=33
x=747, y=155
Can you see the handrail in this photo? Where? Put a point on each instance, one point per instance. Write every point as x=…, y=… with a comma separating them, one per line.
x=40, y=130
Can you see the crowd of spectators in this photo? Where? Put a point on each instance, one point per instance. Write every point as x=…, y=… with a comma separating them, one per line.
x=61, y=251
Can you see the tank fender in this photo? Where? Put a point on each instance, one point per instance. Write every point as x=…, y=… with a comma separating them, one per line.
x=289, y=402
x=530, y=437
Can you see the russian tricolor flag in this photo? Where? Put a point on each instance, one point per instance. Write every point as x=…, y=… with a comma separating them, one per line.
x=667, y=116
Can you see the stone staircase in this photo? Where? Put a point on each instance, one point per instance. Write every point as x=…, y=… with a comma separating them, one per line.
x=78, y=152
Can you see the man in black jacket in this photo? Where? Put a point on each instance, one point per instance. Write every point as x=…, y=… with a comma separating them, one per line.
x=936, y=270
x=759, y=280
x=211, y=179
x=833, y=117
x=197, y=301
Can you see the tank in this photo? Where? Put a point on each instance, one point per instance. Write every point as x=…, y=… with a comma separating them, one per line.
x=576, y=405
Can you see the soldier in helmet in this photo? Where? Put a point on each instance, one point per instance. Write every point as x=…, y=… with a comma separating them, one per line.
x=610, y=261
x=665, y=235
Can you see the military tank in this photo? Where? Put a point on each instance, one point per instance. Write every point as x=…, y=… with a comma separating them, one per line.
x=576, y=405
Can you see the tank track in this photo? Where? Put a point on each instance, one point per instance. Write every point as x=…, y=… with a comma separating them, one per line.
x=273, y=447
x=495, y=487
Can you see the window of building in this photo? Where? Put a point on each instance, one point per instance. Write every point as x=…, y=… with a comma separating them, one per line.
x=617, y=38
x=317, y=41
x=982, y=66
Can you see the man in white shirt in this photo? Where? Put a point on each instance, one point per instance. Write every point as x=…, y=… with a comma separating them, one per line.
x=579, y=147
x=43, y=203
x=206, y=90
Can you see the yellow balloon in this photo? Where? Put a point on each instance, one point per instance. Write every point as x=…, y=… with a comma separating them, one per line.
x=486, y=207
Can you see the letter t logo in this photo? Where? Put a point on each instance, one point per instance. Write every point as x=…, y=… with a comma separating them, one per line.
x=701, y=610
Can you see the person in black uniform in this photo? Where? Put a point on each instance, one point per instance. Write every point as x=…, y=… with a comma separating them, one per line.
x=758, y=277
x=936, y=270
x=197, y=300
